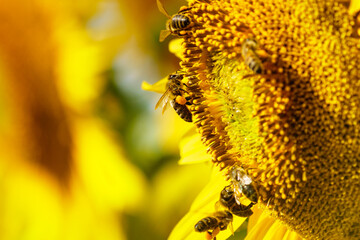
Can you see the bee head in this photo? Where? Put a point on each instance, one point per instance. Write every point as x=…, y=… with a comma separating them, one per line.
x=176, y=79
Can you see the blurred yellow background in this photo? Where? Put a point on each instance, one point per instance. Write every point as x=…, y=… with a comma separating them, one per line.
x=84, y=155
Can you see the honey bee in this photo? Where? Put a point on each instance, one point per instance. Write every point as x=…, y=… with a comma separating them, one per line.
x=173, y=94
x=219, y=221
x=250, y=56
x=176, y=23
x=227, y=199
x=243, y=184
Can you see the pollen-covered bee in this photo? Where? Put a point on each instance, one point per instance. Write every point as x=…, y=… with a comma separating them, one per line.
x=250, y=56
x=219, y=221
x=243, y=184
x=176, y=23
x=174, y=94
x=227, y=199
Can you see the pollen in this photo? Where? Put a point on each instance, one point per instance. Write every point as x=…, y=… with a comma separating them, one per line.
x=287, y=108
x=180, y=100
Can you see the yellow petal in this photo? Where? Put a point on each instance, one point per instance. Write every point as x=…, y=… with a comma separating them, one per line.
x=262, y=226
x=203, y=206
x=354, y=7
x=276, y=231
x=259, y=225
x=103, y=167
x=253, y=219
x=291, y=235
x=171, y=191
x=192, y=150
x=31, y=202
x=159, y=86
x=175, y=47
x=79, y=63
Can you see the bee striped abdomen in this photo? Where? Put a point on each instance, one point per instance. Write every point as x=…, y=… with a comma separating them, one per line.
x=250, y=192
x=182, y=111
x=243, y=182
x=205, y=224
x=219, y=220
x=179, y=22
x=254, y=63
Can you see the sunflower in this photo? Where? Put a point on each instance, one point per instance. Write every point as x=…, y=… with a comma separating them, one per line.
x=60, y=163
x=274, y=88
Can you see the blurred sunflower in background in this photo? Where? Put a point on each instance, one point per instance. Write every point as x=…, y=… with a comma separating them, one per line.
x=83, y=153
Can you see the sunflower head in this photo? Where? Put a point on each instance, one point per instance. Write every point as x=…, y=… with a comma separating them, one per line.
x=274, y=87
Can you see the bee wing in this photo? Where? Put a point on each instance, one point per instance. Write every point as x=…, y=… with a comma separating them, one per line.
x=165, y=106
x=231, y=228
x=164, y=100
x=172, y=103
x=245, y=180
x=162, y=9
x=164, y=34
x=237, y=193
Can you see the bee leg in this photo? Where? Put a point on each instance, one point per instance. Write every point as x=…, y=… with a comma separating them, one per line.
x=182, y=90
x=208, y=235
x=183, y=9
x=215, y=232
x=250, y=205
x=249, y=75
x=243, y=213
x=188, y=101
